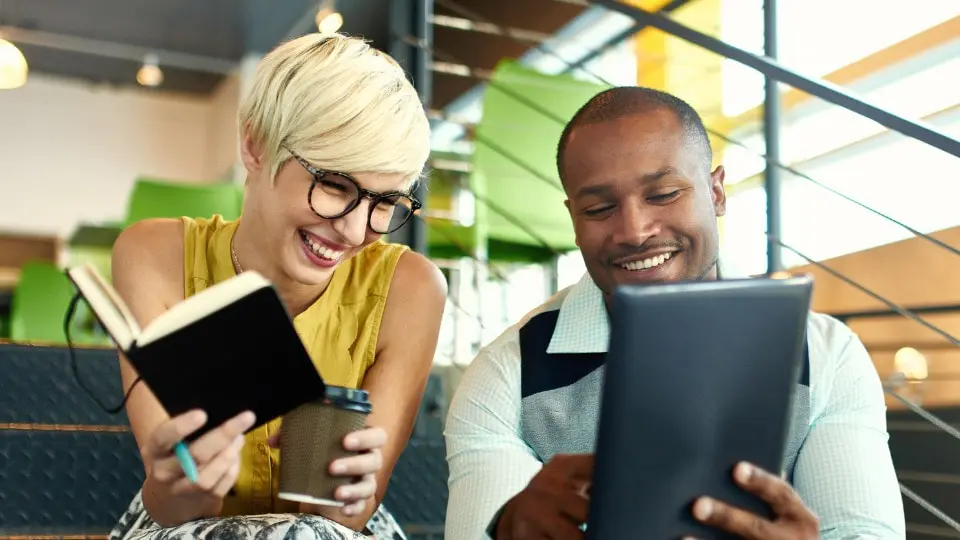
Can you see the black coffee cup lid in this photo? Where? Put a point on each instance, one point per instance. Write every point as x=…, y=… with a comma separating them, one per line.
x=341, y=393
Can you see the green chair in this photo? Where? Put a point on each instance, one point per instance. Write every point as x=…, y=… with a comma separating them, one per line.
x=159, y=198
x=40, y=302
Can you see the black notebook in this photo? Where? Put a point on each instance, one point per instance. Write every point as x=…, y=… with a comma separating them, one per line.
x=698, y=377
x=230, y=348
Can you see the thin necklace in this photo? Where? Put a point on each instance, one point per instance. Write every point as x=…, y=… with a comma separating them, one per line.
x=233, y=255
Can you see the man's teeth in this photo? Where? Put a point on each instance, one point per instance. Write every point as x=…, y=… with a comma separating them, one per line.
x=647, y=263
x=321, y=250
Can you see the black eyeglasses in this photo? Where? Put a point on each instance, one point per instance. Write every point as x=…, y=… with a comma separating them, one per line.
x=334, y=194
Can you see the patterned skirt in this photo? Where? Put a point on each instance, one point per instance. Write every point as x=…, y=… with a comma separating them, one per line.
x=135, y=524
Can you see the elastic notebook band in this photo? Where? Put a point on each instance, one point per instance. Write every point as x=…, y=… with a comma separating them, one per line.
x=71, y=310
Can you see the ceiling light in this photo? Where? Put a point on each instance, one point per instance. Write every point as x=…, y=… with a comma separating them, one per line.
x=912, y=363
x=13, y=66
x=150, y=73
x=329, y=21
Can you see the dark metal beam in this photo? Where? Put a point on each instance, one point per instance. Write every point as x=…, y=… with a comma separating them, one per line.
x=423, y=75
x=821, y=89
x=411, y=19
x=411, y=40
x=771, y=135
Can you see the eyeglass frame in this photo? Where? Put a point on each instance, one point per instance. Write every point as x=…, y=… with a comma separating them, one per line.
x=375, y=198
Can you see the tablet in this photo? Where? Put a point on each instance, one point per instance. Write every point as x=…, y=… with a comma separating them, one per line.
x=699, y=376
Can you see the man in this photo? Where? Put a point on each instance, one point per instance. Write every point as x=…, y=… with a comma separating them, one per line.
x=636, y=167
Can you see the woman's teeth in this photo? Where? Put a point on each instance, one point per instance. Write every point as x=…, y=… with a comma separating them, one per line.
x=321, y=250
x=647, y=263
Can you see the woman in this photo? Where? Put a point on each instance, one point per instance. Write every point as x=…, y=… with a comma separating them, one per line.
x=333, y=138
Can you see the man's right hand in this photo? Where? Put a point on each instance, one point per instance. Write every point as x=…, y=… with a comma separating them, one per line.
x=554, y=505
x=216, y=453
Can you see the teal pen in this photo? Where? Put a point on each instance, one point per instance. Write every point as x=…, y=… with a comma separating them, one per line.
x=187, y=463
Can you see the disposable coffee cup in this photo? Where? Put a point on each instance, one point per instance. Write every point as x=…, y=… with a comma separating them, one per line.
x=311, y=438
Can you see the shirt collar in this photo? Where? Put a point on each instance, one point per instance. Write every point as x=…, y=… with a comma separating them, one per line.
x=583, y=326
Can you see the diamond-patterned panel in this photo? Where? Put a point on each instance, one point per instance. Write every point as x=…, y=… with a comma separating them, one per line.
x=65, y=482
x=37, y=385
x=417, y=494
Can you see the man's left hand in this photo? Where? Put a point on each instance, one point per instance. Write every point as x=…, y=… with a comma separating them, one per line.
x=792, y=519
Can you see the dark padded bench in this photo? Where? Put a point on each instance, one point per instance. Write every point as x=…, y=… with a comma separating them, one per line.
x=67, y=468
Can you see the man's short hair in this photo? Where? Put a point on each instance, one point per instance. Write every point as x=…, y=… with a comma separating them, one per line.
x=615, y=103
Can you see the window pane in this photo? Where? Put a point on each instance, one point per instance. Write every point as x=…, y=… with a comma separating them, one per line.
x=815, y=37
x=903, y=178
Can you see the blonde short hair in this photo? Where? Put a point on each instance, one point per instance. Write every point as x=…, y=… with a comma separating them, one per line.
x=340, y=104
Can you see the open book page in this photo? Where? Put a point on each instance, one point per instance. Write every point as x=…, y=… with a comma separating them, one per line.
x=128, y=316
x=202, y=304
x=109, y=308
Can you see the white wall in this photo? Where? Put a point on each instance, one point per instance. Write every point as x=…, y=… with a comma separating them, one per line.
x=70, y=151
x=222, y=154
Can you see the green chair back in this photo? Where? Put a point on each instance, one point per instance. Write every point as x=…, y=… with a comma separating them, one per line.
x=163, y=199
x=40, y=301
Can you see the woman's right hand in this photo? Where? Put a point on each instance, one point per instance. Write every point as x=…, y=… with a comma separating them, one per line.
x=216, y=453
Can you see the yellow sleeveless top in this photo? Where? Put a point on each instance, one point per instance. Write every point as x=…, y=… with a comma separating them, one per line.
x=339, y=330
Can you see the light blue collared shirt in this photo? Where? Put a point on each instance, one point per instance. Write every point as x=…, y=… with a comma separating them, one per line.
x=843, y=469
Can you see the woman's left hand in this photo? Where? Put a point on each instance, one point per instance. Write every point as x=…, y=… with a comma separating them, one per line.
x=364, y=467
